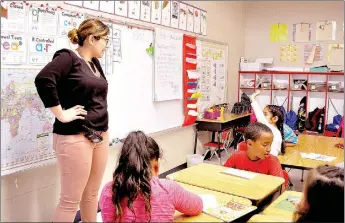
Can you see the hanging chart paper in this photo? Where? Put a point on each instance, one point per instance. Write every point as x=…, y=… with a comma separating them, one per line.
x=134, y=9
x=325, y=31
x=168, y=65
x=336, y=54
x=278, y=32
x=175, y=14
x=166, y=11
x=301, y=32
x=121, y=8
x=183, y=16
x=13, y=50
x=145, y=11
x=313, y=52
x=107, y=6
x=156, y=12
x=288, y=53
x=13, y=17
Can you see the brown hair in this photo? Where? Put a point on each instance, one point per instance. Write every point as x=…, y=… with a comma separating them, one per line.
x=324, y=193
x=86, y=28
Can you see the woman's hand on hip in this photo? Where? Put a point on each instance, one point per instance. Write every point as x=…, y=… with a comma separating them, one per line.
x=74, y=113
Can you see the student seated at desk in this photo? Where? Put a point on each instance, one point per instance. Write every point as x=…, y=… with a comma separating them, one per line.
x=323, y=196
x=258, y=138
x=273, y=117
x=136, y=194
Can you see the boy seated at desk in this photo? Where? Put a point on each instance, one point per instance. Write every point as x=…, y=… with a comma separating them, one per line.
x=258, y=138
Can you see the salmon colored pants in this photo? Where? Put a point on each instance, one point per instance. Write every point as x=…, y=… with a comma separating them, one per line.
x=82, y=164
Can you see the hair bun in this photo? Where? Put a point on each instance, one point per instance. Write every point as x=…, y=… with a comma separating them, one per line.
x=73, y=36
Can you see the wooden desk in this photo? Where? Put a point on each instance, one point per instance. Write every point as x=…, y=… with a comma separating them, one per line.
x=217, y=126
x=277, y=208
x=221, y=197
x=267, y=218
x=209, y=176
x=312, y=144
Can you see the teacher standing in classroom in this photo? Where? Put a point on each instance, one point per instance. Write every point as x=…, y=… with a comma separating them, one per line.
x=74, y=88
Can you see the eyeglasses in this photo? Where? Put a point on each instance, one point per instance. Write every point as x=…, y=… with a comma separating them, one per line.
x=105, y=38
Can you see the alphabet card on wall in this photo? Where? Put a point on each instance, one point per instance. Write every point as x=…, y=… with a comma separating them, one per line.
x=41, y=49
x=190, y=18
x=183, y=17
x=134, y=9
x=13, y=17
x=94, y=5
x=197, y=21
x=13, y=48
x=145, y=11
x=107, y=6
x=43, y=21
x=69, y=20
x=156, y=12
x=76, y=3
x=175, y=14
x=203, y=23
x=166, y=11
x=121, y=8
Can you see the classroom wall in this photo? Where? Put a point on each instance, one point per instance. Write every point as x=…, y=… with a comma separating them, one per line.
x=260, y=14
x=33, y=194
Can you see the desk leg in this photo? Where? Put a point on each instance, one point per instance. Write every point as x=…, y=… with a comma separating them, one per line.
x=195, y=140
x=213, y=136
x=219, y=152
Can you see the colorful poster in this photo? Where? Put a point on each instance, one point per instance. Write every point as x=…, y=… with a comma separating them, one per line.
x=197, y=21
x=336, y=54
x=301, y=32
x=175, y=14
x=134, y=9
x=203, y=23
x=76, y=3
x=42, y=21
x=190, y=18
x=13, y=48
x=183, y=16
x=94, y=5
x=156, y=12
x=107, y=6
x=278, y=32
x=166, y=8
x=41, y=49
x=69, y=20
x=288, y=53
x=145, y=11
x=121, y=8
x=312, y=52
x=13, y=17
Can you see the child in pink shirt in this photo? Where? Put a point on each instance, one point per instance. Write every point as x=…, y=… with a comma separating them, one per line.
x=136, y=194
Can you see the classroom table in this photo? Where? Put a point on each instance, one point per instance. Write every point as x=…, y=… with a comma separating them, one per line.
x=312, y=144
x=218, y=126
x=211, y=177
x=220, y=197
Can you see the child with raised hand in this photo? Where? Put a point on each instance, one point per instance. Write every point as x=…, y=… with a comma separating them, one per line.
x=136, y=194
x=273, y=117
x=257, y=158
x=323, y=196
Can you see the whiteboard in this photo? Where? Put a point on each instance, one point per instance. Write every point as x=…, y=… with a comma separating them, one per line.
x=130, y=103
x=212, y=62
x=168, y=65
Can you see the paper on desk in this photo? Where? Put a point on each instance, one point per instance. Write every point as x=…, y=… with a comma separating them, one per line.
x=208, y=200
x=320, y=157
x=239, y=173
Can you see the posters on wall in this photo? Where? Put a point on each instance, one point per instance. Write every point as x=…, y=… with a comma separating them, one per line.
x=326, y=31
x=278, y=32
x=288, y=53
x=312, y=53
x=41, y=49
x=13, y=17
x=301, y=32
x=43, y=21
x=175, y=14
